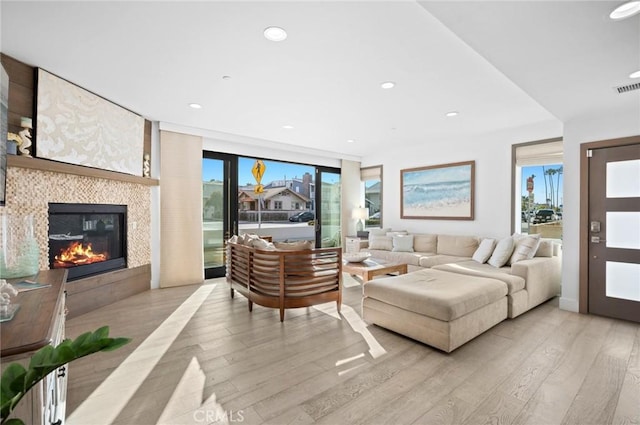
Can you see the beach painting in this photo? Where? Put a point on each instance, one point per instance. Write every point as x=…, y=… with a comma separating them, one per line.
x=440, y=192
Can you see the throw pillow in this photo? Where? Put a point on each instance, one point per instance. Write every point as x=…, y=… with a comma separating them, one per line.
x=262, y=244
x=378, y=232
x=397, y=232
x=545, y=248
x=384, y=243
x=484, y=251
x=524, y=247
x=502, y=252
x=293, y=246
x=402, y=243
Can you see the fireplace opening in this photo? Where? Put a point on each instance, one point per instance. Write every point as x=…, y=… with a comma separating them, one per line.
x=87, y=239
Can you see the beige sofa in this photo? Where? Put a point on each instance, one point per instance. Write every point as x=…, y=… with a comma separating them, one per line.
x=449, y=298
x=529, y=282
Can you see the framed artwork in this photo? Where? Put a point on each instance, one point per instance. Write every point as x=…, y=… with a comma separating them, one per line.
x=78, y=127
x=438, y=192
x=4, y=130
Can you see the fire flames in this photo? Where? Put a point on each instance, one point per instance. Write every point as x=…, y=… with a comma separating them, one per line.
x=77, y=255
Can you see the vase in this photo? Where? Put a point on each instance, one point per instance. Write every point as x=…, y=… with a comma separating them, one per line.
x=19, y=250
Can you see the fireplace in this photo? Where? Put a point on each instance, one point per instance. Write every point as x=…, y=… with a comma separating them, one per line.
x=87, y=239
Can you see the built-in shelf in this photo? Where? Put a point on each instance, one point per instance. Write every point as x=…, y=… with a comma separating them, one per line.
x=78, y=170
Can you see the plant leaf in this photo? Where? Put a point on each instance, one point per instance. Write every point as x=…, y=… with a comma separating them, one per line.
x=116, y=343
x=13, y=421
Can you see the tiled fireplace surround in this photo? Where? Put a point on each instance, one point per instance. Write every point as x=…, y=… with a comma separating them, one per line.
x=30, y=191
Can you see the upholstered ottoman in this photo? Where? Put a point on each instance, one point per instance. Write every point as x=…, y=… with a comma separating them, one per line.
x=439, y=308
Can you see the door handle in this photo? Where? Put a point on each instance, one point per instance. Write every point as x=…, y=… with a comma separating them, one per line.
x=596, y=239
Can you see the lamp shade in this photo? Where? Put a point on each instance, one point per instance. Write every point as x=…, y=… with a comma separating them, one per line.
x=360, y=213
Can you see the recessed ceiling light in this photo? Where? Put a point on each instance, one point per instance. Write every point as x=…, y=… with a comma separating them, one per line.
x=275, y=33
x=195, y=105
x=350, y=141
x=635, y=74
x=625, y=10
x=388, y=85
x=287, y=127
x=452, y=114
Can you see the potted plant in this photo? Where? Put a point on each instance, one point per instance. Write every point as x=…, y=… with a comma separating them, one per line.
x=17, y=381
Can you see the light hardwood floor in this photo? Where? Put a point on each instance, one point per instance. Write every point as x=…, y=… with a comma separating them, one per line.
x=547, y=366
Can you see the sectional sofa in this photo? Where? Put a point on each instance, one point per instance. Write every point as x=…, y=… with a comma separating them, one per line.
x=458, y=286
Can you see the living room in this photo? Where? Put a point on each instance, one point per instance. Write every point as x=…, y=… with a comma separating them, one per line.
x=510, y=85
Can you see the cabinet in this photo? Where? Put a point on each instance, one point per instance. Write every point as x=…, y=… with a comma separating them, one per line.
x=39, y=321
x=355, y=244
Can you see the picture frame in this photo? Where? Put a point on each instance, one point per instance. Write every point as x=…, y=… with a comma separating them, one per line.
x=438, y=192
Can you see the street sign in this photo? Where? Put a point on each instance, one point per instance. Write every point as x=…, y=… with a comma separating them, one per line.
x=258, y=170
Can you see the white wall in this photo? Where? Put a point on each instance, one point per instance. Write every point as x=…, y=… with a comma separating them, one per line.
x=577, y=131
x=492, y=154
x=352, y=196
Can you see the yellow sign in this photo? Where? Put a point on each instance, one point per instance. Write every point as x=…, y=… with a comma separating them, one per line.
x=258, y=189
x=258, y=171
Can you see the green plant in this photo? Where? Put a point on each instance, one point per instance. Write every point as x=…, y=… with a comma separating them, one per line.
x=17, y=381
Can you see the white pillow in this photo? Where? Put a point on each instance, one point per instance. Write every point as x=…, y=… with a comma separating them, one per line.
x=525, y=247
x=384, y=243
x=263, y=244
x=378, y=232
x=502, y=252
x=402, y=243
x=484, y=251
x=545, y=248
x=397, y=232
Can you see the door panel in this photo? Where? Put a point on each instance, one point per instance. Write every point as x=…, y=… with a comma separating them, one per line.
x=218, y=210
x=614, y=238
x=328, y=198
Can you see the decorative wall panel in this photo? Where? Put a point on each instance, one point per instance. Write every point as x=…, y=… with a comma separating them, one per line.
x=78, y=127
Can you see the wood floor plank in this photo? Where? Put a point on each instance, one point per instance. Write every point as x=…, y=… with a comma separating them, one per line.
x=628, y=408
x=540, y=368
x=595, y=403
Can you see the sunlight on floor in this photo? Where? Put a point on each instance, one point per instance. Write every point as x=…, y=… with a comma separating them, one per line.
x=105, y=404
x=357, y=324
x=185, y=405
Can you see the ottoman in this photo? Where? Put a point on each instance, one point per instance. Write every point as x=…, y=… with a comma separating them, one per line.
x=439, y=308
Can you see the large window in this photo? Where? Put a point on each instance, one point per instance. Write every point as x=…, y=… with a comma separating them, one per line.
x=538, y=181
x=371, y=178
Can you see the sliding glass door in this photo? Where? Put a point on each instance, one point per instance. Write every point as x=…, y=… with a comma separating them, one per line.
x=328, y=226
x=219, y=215
x=292, y=202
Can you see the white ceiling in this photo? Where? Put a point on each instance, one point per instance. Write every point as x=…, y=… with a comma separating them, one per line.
x=500, y=64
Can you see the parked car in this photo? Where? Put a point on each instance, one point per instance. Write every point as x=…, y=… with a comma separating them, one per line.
x=545, y=216
x=375, y=216
x=302, y=216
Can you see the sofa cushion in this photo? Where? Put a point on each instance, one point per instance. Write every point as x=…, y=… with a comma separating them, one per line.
x=459, y=246
x=402, y=243
x=437, y=294
x=524, y=247
x=410, y=258
x=435, y=259
x=502, y=252
x=425, y=243
x=472, y=268
x=484, y=251
x=384, y=243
